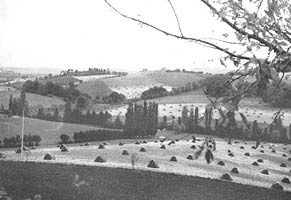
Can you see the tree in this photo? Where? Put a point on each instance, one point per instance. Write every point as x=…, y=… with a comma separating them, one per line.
x=81, y=102
x=65, y=138
x=68, y=111
x=258, y=42
x=10, y=103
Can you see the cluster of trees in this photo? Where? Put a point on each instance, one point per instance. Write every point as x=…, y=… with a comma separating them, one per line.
x=51, y=88
x=41, y=114
x=113, y=98
x=141, y=120
x=15, y=141
x=97, y=135
x=157, y=92
x=17, y=105
x=154, y=92
x=226, y=126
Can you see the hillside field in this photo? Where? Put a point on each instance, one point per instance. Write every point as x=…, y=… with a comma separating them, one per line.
x=32, y=99
x=48, y=131
x=172, y=180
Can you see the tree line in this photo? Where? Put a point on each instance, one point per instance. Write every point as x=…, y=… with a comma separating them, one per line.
x=15, y=141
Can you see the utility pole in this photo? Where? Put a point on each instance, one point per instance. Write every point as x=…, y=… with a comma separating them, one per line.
x=22, y=135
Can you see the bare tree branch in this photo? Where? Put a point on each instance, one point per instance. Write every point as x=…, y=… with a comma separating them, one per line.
x=176, y=17
x=199, y=41
x=242, y=32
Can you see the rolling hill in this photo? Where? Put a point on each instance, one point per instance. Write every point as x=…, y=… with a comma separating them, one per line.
x=33, y=99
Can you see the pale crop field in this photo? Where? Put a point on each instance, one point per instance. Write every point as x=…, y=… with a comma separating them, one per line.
x=93, y=77
x=247, y=173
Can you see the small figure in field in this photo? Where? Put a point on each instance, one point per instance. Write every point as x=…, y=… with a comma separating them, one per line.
x=214, y=145
x=258, y=143
x=209, y=156
x=206, y=141
x=193, y=139
x=229, y=140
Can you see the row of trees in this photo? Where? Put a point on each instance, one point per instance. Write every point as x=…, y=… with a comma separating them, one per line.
x=17, y=105
x=141, y=120
x=15, y=141
x=97, y=135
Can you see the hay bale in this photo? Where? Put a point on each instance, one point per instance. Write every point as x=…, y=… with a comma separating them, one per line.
x=283, y=165
x=125, y=152
x=173, y=159
x=289, y=159
x=87, y=144
x=177, y=140
x=284, y=155
x=121, y=144
x=172, y=142
x=265, y=171
x=163, y=147
x=241, y=147
x=100, y=159
x=236, y=142
x=64, y=149
x=229, y=151
x=221, y=163
x=226, y=177
x=81, y=145
x=273, y=151
x=190, y=157
x=234, y=170
x=247, y=154
x=18, y=150
x=285, y=180
x=253, y=147
x=260, y=160
x=49, y=156
x=262, y=151
x=262, y=146
x=277, y=186
x=33, y=147
x=193, y=147
x=231, y=154
x=153, y=164
x=155, y=141
x=137, y=142
x=101, y=146
x=105, y=143
x=255, y=164
x=144, y=142
x=142, y=149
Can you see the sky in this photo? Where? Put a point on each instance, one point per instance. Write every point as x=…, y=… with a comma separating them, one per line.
x=78, y=34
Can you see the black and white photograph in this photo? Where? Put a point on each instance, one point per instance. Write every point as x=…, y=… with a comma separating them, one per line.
x=145, y=99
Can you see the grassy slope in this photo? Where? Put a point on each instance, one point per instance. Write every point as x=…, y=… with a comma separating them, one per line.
x=95, y=88
x=49, y=131
x=130, y=80
x=55, y=181
x=175, y=79
x=33, y=99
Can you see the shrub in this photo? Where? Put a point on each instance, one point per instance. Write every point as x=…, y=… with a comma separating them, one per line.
x=285, y=180
x=125, y=152
x=49, y=156
x=221, y=163
x=173, y=159
x=265, y=171
x=277, y=186
x=234, y=170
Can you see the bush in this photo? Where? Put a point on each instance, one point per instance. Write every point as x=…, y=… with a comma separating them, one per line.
x=154, y=92
x=65, y=138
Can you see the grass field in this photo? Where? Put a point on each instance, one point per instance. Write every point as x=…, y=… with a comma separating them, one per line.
x=175, y=79
x=95, y=88
x=33, y=99
x=119, y=181
x=49, y=131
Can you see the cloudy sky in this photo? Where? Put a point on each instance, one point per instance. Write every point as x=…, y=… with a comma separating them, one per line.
x=87, y=33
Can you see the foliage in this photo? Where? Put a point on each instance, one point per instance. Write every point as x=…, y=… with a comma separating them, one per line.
x=154, y=92
x=65, y=138
x=114, y=97
x=28, y=140
x=141, y=120
x=97, y=135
